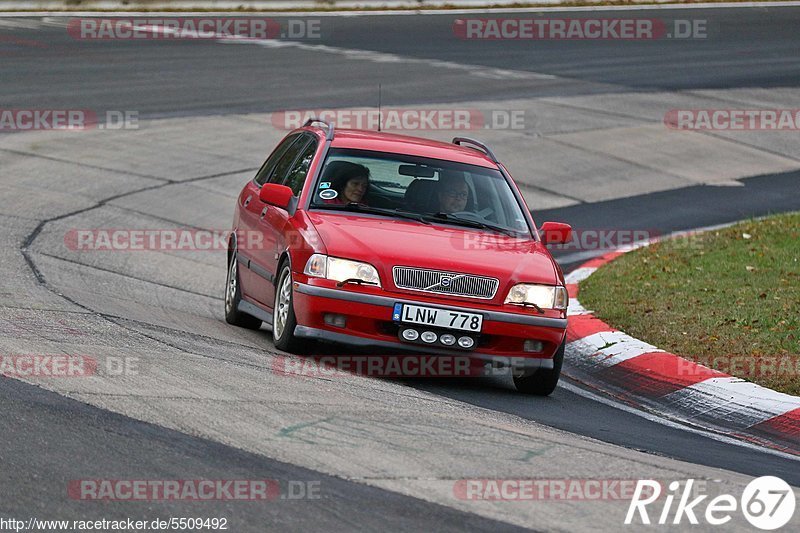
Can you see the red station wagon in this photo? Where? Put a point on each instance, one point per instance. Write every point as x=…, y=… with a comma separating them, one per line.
x=378, y=240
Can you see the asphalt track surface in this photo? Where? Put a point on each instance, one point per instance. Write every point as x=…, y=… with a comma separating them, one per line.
x=41, y=433
x=758, y=48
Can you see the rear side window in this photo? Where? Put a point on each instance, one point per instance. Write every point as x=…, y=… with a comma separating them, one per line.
x=268, y=167
x=286, y=162
x=297, y=175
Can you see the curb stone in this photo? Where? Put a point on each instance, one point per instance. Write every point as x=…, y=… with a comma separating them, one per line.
x=647, y=377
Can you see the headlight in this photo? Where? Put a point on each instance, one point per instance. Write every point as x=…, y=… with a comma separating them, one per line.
x=322, y=266
x=544, y=296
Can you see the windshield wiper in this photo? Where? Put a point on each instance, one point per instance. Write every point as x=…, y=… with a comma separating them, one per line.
x=357, y=281
x=361, y=208
x=538, y=309
x=411, y=214
x=474, y=223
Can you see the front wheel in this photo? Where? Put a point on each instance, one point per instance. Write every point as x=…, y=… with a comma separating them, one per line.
x=542, y=381
x=283, y=317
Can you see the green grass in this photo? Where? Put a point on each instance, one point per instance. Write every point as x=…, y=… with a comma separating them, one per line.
x=729, y=299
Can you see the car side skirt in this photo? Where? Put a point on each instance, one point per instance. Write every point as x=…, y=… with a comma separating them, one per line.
x=254, y=310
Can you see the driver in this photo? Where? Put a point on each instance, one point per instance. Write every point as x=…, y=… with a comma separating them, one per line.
x=452, y=193
x=350, y=181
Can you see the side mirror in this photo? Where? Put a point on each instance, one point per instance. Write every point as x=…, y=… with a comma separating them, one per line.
x=556, y=233
x=277, y=195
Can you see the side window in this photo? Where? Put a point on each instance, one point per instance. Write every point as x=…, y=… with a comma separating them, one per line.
x=269, y=165
x=297, y=175
x=287, y=160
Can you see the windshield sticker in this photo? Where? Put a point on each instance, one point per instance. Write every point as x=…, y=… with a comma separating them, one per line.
x=325, y=185
x=328, y=194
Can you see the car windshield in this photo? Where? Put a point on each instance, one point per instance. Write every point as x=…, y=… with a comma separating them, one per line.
x=431, y=190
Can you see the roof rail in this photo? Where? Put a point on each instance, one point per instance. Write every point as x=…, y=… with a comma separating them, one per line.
x=476, y=144
x=329, y=134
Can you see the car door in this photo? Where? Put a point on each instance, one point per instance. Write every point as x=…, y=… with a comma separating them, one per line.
x=251, y=239
x=275, y=221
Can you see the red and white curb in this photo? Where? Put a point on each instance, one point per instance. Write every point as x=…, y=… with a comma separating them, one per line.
x=644, y=376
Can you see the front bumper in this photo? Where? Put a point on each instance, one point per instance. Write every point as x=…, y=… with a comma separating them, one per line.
x=369, y=324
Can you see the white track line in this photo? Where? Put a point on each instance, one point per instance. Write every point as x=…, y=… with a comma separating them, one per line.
x=362, y=55
x=383, y=57
x=671, y=424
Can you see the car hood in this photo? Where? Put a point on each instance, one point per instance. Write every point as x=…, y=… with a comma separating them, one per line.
x=385, y=243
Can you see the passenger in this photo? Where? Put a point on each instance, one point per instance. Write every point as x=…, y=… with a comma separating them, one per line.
x=349, y=180
x=452, y=192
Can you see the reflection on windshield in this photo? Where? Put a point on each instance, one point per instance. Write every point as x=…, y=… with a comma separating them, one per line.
x=426, y=190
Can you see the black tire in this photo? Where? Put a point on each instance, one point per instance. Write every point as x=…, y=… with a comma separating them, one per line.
x=542, y=382
x=283, y=336
x=233, y=295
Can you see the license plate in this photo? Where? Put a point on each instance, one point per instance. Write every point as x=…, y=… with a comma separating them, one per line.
x=441, y=318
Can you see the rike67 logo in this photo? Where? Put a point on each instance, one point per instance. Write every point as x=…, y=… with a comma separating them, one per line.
x=767, y=503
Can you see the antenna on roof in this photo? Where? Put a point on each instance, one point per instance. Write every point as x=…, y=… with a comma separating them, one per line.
x=379, y=107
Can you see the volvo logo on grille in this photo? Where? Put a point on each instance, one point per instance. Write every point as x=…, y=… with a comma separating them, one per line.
x=445, y=281
x=452, y=283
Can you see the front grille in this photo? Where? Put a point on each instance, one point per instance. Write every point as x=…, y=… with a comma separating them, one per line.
x=441, y=282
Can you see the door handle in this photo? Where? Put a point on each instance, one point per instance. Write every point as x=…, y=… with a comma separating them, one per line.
x=247, y=200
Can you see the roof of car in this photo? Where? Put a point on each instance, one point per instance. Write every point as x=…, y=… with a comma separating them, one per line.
x=407, y=145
